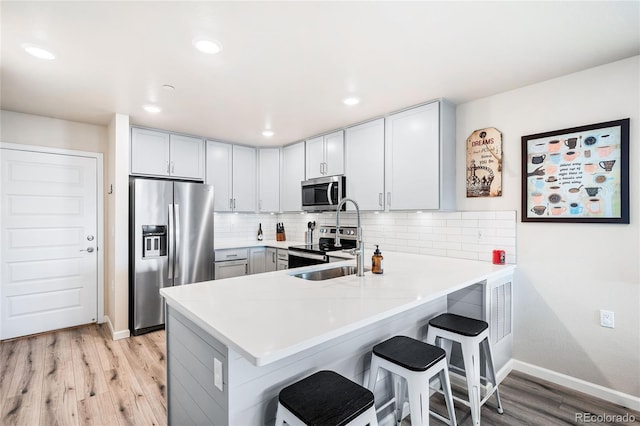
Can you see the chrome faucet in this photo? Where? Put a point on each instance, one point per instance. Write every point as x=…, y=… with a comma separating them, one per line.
x=359, y=250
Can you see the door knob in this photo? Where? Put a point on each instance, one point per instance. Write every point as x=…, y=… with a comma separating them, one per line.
x=89, y=249
x=89, y=237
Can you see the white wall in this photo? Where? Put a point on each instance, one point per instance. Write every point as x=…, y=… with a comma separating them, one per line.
x=30, y=129
x=568, y=272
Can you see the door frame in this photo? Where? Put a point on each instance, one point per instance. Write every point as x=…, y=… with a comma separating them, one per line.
x=98, y=156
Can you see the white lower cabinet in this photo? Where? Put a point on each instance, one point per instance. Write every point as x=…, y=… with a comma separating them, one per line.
x=257, y=260
x=282, y=259
x=231, y=263
x=271, y=260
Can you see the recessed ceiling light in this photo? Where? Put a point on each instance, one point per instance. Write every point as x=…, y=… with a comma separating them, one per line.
x=207, y=46
x=154, y=109
x=267, y=133
x=38, y=52
x=352, y=100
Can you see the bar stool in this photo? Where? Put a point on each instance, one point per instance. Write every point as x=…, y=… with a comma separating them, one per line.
x=471, y=334
x=416, y=362
x=326, y=398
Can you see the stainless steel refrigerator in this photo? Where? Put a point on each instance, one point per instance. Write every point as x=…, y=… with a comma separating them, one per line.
x=171, y=243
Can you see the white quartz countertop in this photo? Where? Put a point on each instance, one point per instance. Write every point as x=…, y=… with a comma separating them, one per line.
x=268, y=317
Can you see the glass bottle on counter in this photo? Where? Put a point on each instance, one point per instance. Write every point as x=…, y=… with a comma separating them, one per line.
x=376, y=261
x=259, y=232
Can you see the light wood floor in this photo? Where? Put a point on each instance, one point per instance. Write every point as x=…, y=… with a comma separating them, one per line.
x=82, y=377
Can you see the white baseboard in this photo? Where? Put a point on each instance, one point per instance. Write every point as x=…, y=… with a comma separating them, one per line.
x=116, y=335
x=579, y=385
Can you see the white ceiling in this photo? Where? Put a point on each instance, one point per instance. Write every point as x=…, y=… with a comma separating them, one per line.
x=288, y=65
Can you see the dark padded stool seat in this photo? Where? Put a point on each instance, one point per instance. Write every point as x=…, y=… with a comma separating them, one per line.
x=459, y=324
x=326, y=398
x=409, y=353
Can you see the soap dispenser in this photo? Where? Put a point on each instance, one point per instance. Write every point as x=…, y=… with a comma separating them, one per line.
x=376, y=261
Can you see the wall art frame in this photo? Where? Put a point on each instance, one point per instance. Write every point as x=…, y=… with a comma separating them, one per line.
x=579, y=174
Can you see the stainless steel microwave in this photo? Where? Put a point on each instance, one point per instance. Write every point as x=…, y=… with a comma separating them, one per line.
x=323, y=194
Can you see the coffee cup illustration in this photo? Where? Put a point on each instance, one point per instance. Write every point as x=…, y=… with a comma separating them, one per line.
x=539, y=182
x=590, y=140
x=575, y=208
x=555, y=157
x=539, y=147
x=607, y=165
x=571, y=142
x=604, y=151
x=539, y=210
x=554, y=145
x=552, y=169
x=587, y=153
x=537, y=159
x=592, y=190
x=556, y=210
x=537, y=197
x=571, y=155
x=593, y=205
x=590, y=168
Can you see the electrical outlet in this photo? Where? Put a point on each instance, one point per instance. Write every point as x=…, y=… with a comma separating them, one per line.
x=607, y=319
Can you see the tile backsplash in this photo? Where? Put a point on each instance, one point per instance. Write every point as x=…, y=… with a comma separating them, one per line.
x=465, y=235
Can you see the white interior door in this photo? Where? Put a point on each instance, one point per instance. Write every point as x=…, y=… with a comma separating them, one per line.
x=49, y=258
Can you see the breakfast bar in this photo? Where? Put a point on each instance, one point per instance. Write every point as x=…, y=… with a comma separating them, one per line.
x=232, y=344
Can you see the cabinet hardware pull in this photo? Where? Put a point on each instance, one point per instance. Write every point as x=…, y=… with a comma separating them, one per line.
x=380, y=199
x=172, y=167
x=168, y=168
x=388, y=198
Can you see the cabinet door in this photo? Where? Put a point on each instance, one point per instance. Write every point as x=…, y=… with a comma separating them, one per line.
x=219, y=164
x=412, y=159
x=364, y=165
x=315, y=157
x=271, y=260
x=269, y=180
x=149, y=152
x=244, y=179
x=257, y=260
x=292, y=176
x=334, y=154
x=187, y=157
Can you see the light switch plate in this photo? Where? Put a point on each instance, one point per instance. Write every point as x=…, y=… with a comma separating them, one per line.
x=217, y=374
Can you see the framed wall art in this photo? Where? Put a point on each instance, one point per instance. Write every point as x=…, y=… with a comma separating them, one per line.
x=484, y=163
x=579, y=174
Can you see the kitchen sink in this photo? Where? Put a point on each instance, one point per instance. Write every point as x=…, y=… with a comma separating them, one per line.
x=327, y=274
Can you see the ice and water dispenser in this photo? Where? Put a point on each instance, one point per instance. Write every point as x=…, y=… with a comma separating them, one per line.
x=154, y=240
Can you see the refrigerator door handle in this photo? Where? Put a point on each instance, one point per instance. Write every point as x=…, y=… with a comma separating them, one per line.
x=171, y=248
x=177, y=238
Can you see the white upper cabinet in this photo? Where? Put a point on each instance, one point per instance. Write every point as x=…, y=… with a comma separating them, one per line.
x=219, y=174
x=292, y=174
x=364, y=164
x=156, y=153
x=245, y=169
x=325, y=155
x=269, y=179
x=420, y=158
x=231, y=169
x=187, y=157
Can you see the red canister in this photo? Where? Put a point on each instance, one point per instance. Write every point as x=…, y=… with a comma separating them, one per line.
x=498, y=257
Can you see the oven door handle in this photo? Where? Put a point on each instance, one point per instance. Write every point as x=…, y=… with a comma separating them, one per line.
x=306, y=255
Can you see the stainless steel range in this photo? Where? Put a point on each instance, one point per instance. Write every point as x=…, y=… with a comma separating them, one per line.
x=314, y=254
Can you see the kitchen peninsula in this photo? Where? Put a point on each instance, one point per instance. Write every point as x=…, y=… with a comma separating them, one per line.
x=233, y=344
